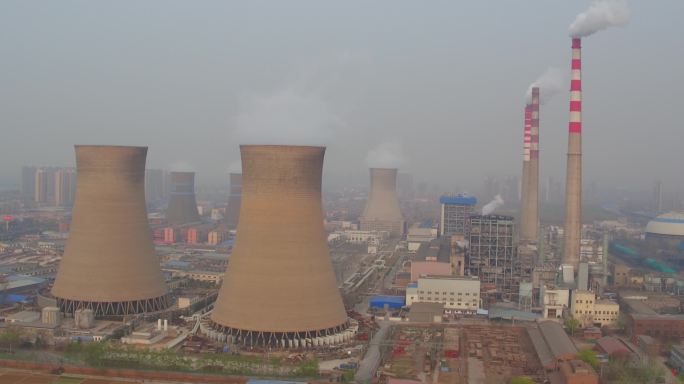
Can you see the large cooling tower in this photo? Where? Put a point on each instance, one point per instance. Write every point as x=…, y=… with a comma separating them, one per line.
x=109, y=264
x=182, y=207
x=233, y=209
x=279, y=288
x=382, y=211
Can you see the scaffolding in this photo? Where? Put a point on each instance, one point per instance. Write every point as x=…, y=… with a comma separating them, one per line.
x=491, y=255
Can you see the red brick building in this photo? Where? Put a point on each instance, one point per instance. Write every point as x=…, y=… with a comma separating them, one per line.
x=662, y=327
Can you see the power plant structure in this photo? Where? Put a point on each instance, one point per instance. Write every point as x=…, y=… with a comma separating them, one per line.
x=279, y=289
x=573, y=183
x=109, y=264
x=182, y=207
x=233, y=210
x=530, y=227
x=382, y=212
x=524, y=185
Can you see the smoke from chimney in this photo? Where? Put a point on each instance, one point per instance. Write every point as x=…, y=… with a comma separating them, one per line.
x=493, y=205
x=550, y=83
x=385, y=155
x=600, y=15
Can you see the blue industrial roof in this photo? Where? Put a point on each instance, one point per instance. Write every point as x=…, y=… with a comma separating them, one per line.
x=426, y=224
x=668, y=220
x=391, y=301
x=11, y=299
x=458, y=200
x=412, y=285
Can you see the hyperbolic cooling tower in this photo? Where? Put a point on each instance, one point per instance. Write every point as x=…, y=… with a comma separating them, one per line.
x=382, y=211
x=279, y=288
x=233, y=209
x=182, y=207
x=109, y=264
x=573, y=183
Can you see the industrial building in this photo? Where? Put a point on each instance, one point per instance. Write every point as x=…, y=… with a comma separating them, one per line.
x=590, y=310
x=182, y=207
x=667, y=228
x=382, y=212
x=109, y=264
x=491, y=253
x=281, y=292
x=455, y=214
x=460, y=294
x=232, y=215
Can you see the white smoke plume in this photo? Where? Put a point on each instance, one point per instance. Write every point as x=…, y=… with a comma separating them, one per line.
x=386, y=155
x=492, y=206
x=600, y=15
x=550, y=83
x=285, y=117
x=181, y=166
x=235, y=167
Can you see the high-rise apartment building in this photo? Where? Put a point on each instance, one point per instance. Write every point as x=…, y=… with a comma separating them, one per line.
x=65, y=187
x=40, y=194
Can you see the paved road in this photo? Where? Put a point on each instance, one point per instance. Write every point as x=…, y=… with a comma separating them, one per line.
x=369, y=365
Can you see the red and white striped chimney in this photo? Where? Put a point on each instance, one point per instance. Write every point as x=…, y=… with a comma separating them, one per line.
x=573, y=184
x=533, y=188
x=524, y=193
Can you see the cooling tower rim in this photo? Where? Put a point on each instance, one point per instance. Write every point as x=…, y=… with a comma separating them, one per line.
x=282, y=146
x=109, y=146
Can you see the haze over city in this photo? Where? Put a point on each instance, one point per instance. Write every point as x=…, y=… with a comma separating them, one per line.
x=445, y=81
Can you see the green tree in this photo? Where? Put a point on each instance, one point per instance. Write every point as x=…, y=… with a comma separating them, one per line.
x=521, y=380
x=10, y=337
x=589, y=357
x=571, y=324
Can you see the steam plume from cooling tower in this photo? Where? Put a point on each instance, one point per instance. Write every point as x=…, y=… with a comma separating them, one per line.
x=600, y=15
x=493, y=205
x=386, y=155
x=550, y=83
x=287, y=116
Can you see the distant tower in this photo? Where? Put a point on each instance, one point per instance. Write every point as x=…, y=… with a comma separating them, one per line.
x=525, y=196
x=41, y=185
x=182, y=207
x=154, y=185
x=573, y=184
x=233, y=209
x=280, y=288
x=65, y=187
x=382, y=212
x=658, y=195
x=109, y=264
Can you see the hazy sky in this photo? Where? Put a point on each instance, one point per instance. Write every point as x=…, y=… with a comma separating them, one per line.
x=445, y=80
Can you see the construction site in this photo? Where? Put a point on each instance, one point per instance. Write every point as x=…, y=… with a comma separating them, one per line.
x=469, y=353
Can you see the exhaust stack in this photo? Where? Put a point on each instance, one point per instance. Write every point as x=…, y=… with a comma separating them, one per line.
x=382, y=212
x=280, y=289
x=573, y=183
x=533, y=180
x=182, y=207
x=109, y=264
x=524, y=193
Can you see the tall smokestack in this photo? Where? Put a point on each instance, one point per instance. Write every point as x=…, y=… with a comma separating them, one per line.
x=109, y=264
x=280, y=292
x=233, y=209
x=533, y=180
x=573, y=183
x=182, y=207
x=382, y=212
x=525, y=197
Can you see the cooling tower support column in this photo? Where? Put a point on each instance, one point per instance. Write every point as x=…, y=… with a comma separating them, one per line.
x=573, y=183
x=382, y=212
x=279, y=289
x=109, y=264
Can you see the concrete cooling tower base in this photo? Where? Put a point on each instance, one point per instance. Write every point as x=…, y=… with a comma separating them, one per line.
x=303, y=339
x=116, y=309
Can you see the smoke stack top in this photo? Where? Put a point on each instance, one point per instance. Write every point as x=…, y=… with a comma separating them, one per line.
x=550, y=83
x=600, y=15
x=386, y=155
x=493, y=205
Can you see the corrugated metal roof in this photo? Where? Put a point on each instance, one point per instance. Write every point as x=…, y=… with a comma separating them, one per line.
x=543, y=351
x=558, y=341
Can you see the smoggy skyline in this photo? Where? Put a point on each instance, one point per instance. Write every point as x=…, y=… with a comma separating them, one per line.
x=441, y=83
